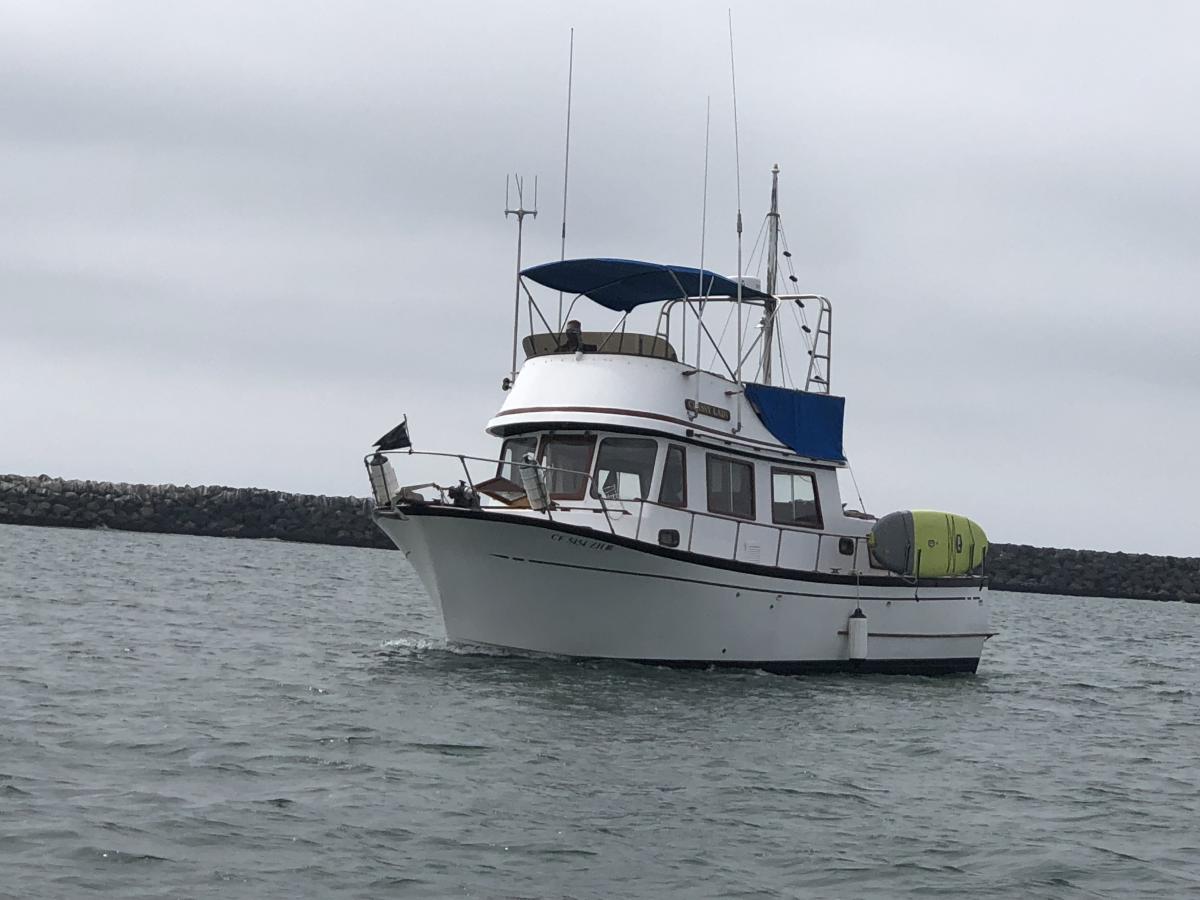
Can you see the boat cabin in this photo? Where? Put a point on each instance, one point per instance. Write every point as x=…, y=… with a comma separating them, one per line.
x=679, y=493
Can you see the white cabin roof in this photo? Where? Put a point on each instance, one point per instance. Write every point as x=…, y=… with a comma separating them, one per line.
x=639, y=393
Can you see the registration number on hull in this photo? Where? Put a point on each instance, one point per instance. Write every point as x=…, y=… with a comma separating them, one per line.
x=585, y=543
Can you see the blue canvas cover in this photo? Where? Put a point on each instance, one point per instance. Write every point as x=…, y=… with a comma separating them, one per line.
x=811, y=424
x=623, y=284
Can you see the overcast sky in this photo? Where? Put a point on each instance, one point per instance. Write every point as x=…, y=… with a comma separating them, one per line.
x=239, y=240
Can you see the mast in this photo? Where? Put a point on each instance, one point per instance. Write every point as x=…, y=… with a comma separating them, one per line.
x=768, y=319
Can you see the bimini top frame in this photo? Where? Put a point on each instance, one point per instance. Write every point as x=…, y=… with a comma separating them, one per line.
x=623, y=285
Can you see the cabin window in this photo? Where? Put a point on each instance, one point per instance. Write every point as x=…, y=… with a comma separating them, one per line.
x=674, y=480
x=624, y=467
x=730, y=487
x=794, y=499
x=572, y=453
x=513, y=451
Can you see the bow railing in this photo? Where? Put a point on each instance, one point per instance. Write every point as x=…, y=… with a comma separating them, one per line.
x=447, y=493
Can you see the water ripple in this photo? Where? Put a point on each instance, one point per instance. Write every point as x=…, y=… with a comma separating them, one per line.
x=206, y=717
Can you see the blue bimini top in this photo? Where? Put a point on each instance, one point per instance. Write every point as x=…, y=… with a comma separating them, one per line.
x=624, y=284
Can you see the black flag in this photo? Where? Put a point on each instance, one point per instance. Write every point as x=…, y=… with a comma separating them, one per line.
x=396, y=439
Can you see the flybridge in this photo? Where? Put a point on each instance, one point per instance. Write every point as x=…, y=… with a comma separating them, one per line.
x=683, y=292
x=748, y=344
x=807, y=421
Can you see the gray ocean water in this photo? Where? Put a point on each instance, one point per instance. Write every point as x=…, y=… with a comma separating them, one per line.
x=198, y=717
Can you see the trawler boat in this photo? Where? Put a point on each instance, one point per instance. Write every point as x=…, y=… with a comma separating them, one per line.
x=646, y=506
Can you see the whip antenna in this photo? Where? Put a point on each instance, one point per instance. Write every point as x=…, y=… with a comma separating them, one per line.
x=566, y=166
x=703, y=233
x=737, y=154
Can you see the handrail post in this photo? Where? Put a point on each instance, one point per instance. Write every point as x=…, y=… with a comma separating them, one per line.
x=466, y=471
x=603, y=506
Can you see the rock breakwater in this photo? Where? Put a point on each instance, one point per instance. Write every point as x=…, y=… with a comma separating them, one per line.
x=210, y=510
x=1093, y=573
x=217, y=511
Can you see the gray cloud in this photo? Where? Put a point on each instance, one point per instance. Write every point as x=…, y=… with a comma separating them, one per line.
x=237, y=242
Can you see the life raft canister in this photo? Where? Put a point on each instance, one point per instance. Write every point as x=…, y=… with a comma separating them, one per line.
x=927, y=543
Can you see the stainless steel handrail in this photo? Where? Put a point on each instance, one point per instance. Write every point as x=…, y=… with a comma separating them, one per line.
x=463, y=457
x=642, y=502
x=781, y=530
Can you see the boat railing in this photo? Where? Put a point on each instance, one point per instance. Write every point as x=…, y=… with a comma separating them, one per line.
x=389, y=500
x=615, y=512
x=781, y=531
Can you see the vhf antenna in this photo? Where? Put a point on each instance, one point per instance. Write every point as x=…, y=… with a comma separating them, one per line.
x=520, y=212
x=566, y=167
x=703, y=232
x=737, y=154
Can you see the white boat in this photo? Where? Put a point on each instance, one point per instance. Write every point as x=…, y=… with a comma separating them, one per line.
x=642, y=507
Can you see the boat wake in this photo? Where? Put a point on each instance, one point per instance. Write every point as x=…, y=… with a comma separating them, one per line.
x=422, y=645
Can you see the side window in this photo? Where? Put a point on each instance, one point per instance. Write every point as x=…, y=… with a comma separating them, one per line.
x=513, y=451
x=572, y=453
x=730, y=487
x=674, y=479
x=794, y=499
x=624, y=467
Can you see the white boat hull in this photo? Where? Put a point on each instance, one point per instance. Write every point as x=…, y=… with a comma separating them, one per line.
x=526, y=583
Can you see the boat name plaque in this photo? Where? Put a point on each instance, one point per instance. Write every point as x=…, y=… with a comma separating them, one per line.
x=706, y=409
